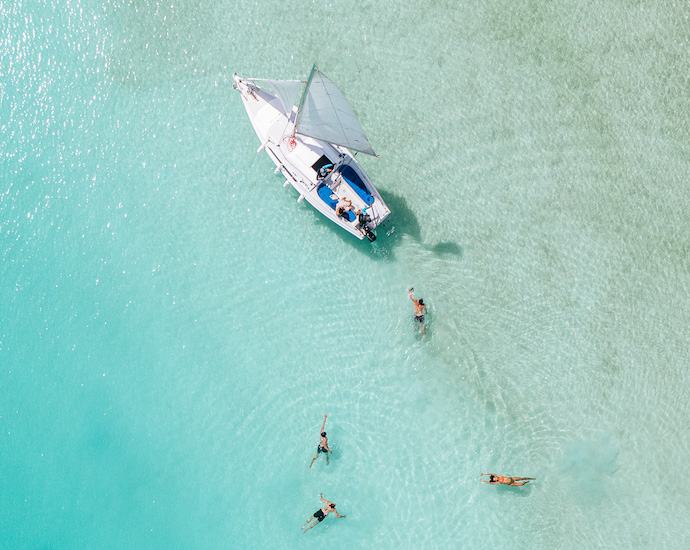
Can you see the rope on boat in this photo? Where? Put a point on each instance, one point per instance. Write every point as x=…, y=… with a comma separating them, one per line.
x=290, y=142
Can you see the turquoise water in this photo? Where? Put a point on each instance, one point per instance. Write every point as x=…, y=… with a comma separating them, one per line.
x=174, y=325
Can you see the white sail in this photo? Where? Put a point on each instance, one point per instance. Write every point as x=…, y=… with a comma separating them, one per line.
x=325, y=114
x=299, y=158
x=286, y=90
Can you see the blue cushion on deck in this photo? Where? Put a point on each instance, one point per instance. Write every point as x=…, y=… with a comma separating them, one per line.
x=352, y=178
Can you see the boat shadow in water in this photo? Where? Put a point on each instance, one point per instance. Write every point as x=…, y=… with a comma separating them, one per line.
x=447, y=248
x=403, y=221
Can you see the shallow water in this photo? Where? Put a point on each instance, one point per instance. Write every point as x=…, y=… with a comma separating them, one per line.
x=175, y=325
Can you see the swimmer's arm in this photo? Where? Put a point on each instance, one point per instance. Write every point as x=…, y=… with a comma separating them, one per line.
x=338, y=515
x=321, y=497
x=324, y=422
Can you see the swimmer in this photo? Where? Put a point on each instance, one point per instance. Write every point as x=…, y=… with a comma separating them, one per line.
x=321, y=513
x=512, y=481
x=419, y=310
x=323, y=444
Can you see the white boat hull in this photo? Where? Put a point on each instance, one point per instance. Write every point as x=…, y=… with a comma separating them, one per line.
x=298, y=158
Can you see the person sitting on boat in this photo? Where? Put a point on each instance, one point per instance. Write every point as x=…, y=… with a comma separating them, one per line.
x=324, y=171
x=364, y=220
x=343, y=207
x=362, y=216
x=512, y=481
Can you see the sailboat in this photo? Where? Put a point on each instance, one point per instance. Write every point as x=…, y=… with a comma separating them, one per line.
x=310, y=144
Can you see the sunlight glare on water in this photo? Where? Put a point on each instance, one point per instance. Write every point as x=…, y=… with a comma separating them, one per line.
x=174, y=324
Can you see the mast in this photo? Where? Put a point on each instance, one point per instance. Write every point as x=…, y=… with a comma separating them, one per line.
x=303, y=96
x=325, y=114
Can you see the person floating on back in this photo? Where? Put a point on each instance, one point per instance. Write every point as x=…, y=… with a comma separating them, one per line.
x=419, y=310
x=320, y=514
x=512, y=481
x=323, y=444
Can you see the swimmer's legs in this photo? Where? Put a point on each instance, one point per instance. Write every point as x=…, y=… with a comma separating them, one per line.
x=310, y=527
x=525, y=481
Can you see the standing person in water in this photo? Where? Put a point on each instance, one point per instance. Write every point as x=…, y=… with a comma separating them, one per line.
x=419, y=310
x=512, y=481
x=323, y=444
x=322, y=513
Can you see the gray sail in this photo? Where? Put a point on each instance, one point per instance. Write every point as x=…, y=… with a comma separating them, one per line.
x=325, y=114
x=286, y=90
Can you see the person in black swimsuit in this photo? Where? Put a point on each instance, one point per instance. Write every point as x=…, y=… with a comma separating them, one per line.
x=323, y=444
x=343, y=207
x=419, y=310
x=319, y=515
x=362, y=217
x=324, y=171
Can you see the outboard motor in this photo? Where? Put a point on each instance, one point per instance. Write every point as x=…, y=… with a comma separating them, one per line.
x=369, y=233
